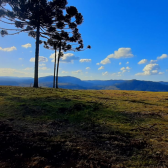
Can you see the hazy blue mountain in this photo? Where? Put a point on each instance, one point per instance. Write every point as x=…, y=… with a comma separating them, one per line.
x=9, y=83
x=16, y=79
x=164, y=83
x=142, y=86
x=104, y=82
x=69, y=82
x=66, y=79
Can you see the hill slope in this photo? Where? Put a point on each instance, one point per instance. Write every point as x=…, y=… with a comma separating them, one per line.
x=60, y=128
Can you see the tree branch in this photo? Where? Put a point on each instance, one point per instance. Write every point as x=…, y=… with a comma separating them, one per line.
x=6, y=22
x=10, y=29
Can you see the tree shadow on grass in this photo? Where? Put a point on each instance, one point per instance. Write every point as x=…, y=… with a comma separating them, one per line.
x=69, y=134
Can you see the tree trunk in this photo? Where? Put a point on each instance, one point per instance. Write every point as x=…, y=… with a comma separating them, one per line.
x=37, y=51
x=54, y=70
x=58, y=65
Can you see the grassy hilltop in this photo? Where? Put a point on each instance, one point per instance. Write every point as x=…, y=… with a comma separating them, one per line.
x=69, y=128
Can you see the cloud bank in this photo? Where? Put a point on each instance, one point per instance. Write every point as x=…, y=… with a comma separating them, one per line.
x=8, y=49
x=150, y=69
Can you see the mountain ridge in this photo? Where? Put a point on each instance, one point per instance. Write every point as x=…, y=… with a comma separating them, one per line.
x=70, y=82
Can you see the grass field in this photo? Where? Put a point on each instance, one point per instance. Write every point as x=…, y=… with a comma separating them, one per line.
x=83, y=128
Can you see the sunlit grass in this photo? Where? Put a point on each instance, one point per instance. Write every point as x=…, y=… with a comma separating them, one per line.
x=141, y=115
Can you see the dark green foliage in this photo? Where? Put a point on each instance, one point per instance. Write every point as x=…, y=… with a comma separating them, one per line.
x=3, y=33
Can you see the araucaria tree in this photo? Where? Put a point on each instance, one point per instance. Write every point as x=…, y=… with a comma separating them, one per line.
x=63, y=40
x=27, y=16
x=39, y=18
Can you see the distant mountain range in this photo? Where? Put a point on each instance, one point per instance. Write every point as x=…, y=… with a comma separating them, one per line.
x=69, y=82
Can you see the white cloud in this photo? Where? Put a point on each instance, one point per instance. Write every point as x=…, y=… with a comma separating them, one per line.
x=14, y=72
x=97, y=63
x=42, y=74
x=120, y=63
x=76, y=72
x=8, y=49
x=66, y=58
x=69, y=58
x=87, y=67
x=20, y=58
x=86, y=72
x=121, y=53
x=85, y=60
x=42, y=64
x=105, y=73
x=64, y=72
x=52, y=56
x=150, y=69
x=128, y=68
x=153, y=61
x=123, y=68
x=26, y=45
x=44, y=68
x=143, y=61
x=162, y=56
x=127, y=62
x=161, y=73
x=143, y=74
x=41, y=59
x=105, y=61
x=26, y=69
x=30, y=51
x=102, y=67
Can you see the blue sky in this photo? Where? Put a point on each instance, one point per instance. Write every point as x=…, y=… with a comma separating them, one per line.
x=129, y=40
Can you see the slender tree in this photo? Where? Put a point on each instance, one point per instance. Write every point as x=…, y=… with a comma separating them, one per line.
x=53, y=45
x=65, y=39
x=64, y=43
x=59, y=55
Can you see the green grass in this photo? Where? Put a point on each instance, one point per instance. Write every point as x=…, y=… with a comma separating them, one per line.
x=136, y=114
